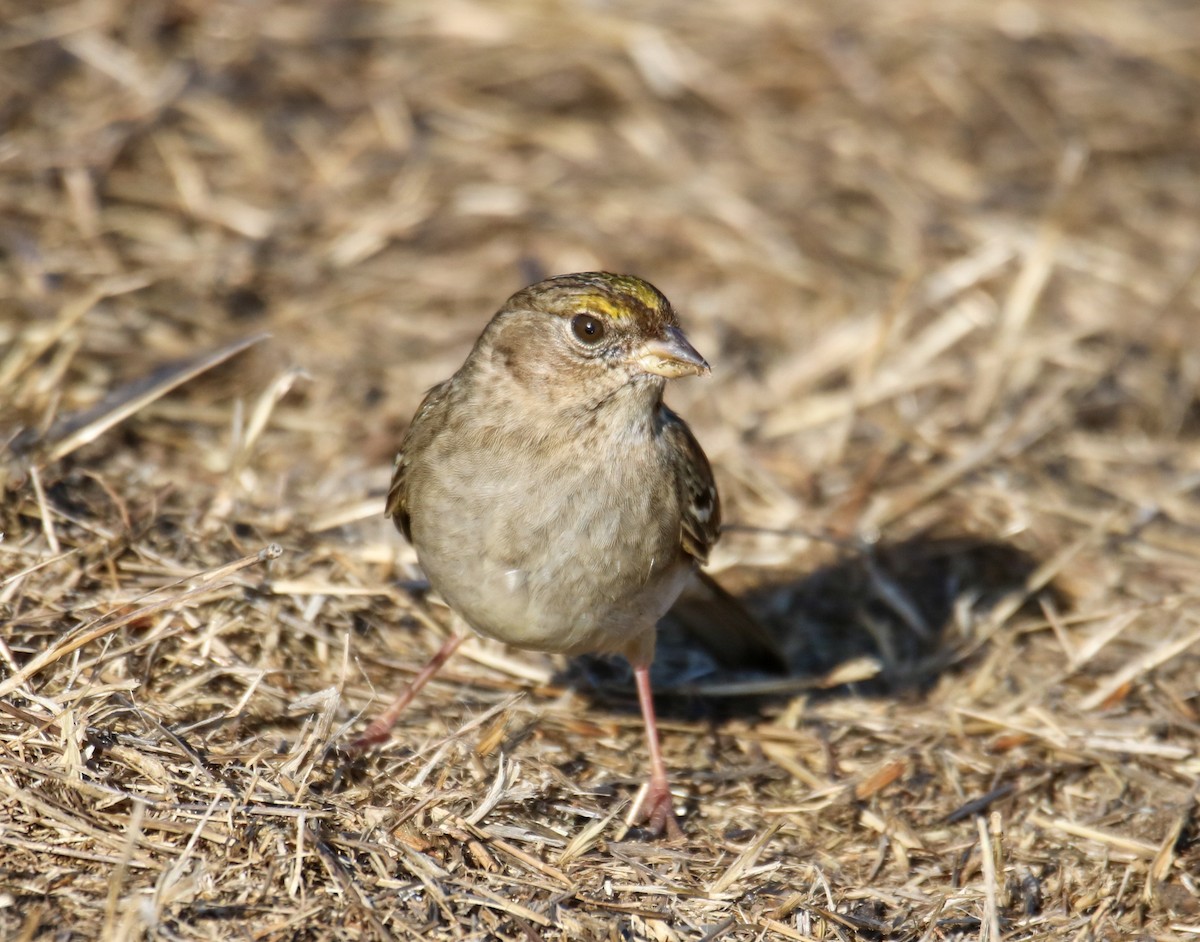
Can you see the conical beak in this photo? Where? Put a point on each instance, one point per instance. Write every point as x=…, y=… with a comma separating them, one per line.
x=671, y=356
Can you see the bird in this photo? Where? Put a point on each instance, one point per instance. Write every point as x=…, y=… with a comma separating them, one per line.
x=554, y=501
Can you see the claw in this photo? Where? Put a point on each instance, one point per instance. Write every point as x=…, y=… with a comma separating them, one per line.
x=377, y=733
x=654, y=810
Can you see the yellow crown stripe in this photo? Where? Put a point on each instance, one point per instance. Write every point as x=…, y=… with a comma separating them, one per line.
x=616, y=305
x=639, y=289
x=606, y=305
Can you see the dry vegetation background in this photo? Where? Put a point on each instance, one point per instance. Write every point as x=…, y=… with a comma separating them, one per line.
x=943, y=258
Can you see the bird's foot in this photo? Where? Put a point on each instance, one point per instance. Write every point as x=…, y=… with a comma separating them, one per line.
x=376, y=735
x=654, y=810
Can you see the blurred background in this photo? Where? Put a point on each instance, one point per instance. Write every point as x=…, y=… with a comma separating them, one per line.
x=930, y=205
x=942, y=257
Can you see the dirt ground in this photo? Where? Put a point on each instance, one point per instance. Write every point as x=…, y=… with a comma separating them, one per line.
x=943, y=258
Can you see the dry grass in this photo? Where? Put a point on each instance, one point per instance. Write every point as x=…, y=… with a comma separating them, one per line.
x=943, y=257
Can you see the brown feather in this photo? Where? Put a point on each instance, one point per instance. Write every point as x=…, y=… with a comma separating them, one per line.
x=701, y=522
x=726, y=628
x=420, y=431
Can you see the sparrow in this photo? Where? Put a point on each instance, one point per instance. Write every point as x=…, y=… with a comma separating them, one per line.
x=554, y=501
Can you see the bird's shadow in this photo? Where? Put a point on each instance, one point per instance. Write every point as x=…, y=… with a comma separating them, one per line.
x=886, y=620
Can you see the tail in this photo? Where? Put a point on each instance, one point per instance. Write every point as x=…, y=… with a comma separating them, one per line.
x=723, y=625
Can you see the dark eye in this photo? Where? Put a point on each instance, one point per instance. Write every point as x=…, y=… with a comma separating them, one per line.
x=588, y=328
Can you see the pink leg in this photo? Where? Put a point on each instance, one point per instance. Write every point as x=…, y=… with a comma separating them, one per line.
x=378, y=731
x=655, y=807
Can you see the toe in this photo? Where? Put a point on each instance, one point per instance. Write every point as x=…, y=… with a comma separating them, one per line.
x=655, y=811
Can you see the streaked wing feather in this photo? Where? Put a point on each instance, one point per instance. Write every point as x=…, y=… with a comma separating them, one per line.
x=711, y=615
x=423, y=426
x=701, y=523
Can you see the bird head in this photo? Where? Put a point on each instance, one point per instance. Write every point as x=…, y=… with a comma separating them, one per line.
x=592, y=336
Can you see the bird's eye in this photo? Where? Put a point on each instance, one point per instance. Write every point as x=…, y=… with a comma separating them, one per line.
x=588, y=328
